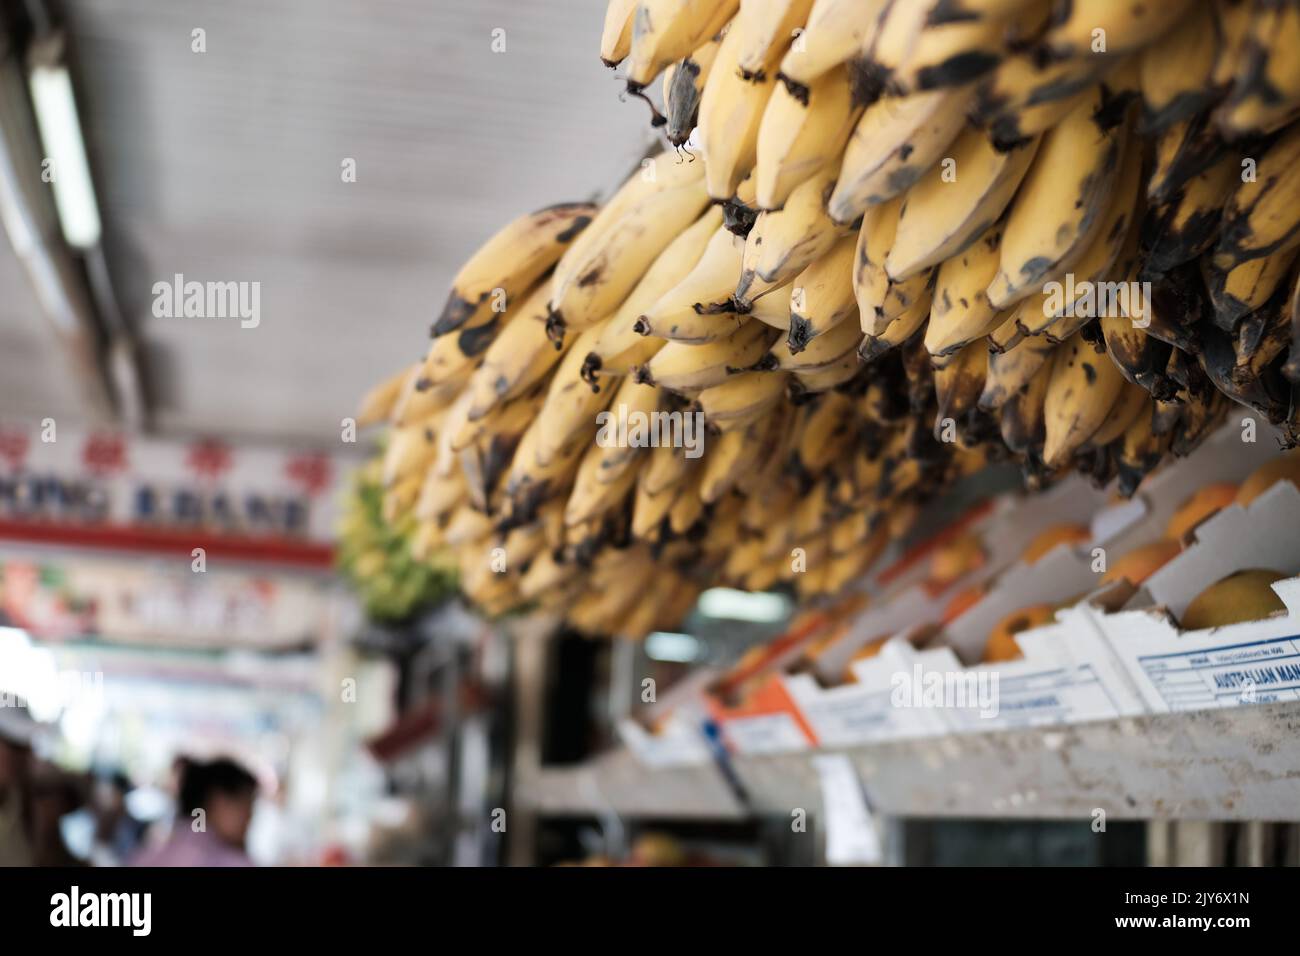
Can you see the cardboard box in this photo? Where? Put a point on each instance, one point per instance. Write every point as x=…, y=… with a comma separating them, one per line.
x=1068, y=675
x=864, y=711
x=1006, y=529
x=1232, y=666
x=767, y=721
x=678, y=741
x=670, y=732
x=1223, y=456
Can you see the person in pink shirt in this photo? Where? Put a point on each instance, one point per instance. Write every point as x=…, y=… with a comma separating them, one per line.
x=214, y=810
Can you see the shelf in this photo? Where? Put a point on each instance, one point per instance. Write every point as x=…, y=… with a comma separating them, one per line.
x=1231, y=764
x=617, y=783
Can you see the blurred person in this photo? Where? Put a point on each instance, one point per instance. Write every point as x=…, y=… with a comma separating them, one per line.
x=17, y=731
x=54, y=795
x=224, y=792
x=117, y=834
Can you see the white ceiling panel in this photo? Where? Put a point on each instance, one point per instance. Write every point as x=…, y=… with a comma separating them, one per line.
x=225, y=166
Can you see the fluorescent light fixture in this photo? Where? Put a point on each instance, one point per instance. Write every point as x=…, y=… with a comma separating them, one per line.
x=74, y=193
x=756, y=607
x=670, y=646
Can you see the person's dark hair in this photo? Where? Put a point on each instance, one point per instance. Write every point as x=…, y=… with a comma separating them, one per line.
x=199, y=781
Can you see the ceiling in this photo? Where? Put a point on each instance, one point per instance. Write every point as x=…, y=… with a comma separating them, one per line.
x=226, y=166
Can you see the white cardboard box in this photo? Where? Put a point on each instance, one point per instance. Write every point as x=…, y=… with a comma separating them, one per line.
x=1223, y=456
x=1013, y=523
x=679, y=714
x=678, y=742
x=1236, y=665
x=1068, y=675
x=864, y=712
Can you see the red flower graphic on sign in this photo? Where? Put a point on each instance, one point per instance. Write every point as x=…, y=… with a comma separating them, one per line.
x=208, y=459
x=13, y=447
x=104, y=454
x=311, y=472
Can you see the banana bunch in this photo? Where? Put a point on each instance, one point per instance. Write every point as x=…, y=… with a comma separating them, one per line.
x=924, y=237
x=394, y=571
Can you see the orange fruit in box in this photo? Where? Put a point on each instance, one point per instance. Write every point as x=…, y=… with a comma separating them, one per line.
x=1057, y=534
x=1142, y=562
x=1242, y=596
x=1202, y=503
x=953, y=559
x=1283, y=468
x=1002, y=644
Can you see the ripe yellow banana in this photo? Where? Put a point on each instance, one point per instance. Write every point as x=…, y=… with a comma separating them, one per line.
x=519, y=357
x=380, y=401
x=729, y=456
x=956, y=201
x=764, y=28
x=1132, y=401
x=731, y=110
x=591, y=497
x=1246, y=287
x=1010, y=371
x=959, y=384
x=880, y=299
x=1081, y=27
x=814, y=353
x=1176, y=72
x=1187, y=224
x=689, y=507
x=616, y=36
x=1075, y=297
x=950, y=53
x=821, y=297
x=831, y=375
x=568, y=415
x=894, y=142
x=1266, y=92
x=784, y=242
x=679, y=366
x=1260, y=218
x=511, y=261
x=619, y=346
x=836, y=30
x=825, y=426
x=961, y=312
x=592, y=279
x=899, y=28
x=1022, y=417
x=774, y=308
x=698, y=308
x=742, y=398
x=898, y=331
x=410, y=450
x=800, y=135
x=530, y=482
x=439, y=495
x=664, y=31
x=1080, y=393
x=1062, y=198
x=631, y=401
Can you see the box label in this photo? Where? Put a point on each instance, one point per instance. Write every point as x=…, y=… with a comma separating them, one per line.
x=1256, y=672
x=765, y=734
x=1057, y=696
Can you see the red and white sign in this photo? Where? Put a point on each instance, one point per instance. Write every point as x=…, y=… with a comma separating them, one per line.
x=107, y=489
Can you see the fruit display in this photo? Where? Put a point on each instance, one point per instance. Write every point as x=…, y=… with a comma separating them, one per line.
x=894, y=241
x=1245, y=595
x=384, y=557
